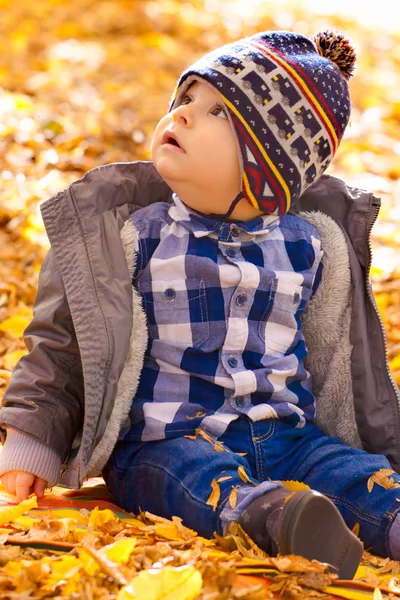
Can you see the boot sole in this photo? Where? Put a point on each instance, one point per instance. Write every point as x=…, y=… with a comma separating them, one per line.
x=313, y=527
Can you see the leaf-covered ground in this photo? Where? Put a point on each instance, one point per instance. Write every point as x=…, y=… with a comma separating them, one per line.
x=83, y=83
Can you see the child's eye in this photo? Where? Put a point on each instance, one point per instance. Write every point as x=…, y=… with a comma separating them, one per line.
x=183, y=101
x=221, y=110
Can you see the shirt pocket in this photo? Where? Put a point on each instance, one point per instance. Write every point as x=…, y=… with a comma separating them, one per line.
x=280, y=324
x=176, y=310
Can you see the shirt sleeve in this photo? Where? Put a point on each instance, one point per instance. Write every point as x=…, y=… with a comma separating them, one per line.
x=22, y=452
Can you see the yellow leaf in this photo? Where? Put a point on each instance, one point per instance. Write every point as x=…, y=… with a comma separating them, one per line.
x=198, y=415
x=25, y=522
x=89, y=564
x=9, y=513
x=204, y=435
x=63, y=569
x=15, y=326
x=224, y=478
x=10, y=360
x=233, y=497
x=295, y=486
x=356, y=529
x=99, y=517
x=191, y=437
x=120, y=550
x=215, y=494
x=382, y=302
x=381, y=478
x=219, y=447
x=243, y=475
x=377, y=594
x=394, y=364
x=13, y=568
x=168, y=531
x=169, y=583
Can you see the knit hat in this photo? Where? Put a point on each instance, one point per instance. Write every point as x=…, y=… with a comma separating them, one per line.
x=288, y=103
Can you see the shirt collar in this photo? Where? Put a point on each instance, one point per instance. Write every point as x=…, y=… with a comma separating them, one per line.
x=202, y=226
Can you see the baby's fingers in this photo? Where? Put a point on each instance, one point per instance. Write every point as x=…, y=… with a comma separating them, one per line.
x=39, y=486
x=23, y=484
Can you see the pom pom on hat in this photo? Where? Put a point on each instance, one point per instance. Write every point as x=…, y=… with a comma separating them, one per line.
x=336, y=48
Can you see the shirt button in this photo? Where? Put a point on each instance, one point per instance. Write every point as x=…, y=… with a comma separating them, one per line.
x=232, y=362
x=240, y=401
x=170, y=293
x=241, y=299
x=235, y=232
x=231, y=252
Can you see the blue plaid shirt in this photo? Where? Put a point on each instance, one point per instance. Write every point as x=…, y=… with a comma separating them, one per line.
x=223, y=303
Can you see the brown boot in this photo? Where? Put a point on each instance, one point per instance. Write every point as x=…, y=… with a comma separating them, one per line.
x=307, y=524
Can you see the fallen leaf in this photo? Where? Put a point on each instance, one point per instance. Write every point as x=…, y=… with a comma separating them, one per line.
x=295, y=486
x=204, y=435
x=233, y=497
x=198, y=415
x=219, y=447
x=15, y=326
x=243, y=475
x=215, y=495
x=9, y=513
x=377, y=594
x=169, y=583
x=100, y=517
x=382, y=478
x=10, y=360
x=224, y=478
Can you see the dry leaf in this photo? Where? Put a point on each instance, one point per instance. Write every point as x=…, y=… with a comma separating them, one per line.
x=9, y=513
x=204, y=435
x=356, y=529
x=243, y=475
x=224, y=478
x=377, y=594
x=382, y=478
x=233, y=497
x=295, y=486
x=198, y=415
x=15, y=326
x=169, y=583
x=191, y=437
x=219, y=447
x=215, y=495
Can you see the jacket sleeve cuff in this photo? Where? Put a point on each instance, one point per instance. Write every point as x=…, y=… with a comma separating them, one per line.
x=22, y=452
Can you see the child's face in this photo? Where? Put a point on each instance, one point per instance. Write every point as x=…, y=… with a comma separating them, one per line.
x=205, y=170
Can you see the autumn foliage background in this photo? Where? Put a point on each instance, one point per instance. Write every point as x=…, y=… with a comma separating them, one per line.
x=83, y=83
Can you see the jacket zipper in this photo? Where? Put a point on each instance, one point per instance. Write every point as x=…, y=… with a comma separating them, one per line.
x=375, y=212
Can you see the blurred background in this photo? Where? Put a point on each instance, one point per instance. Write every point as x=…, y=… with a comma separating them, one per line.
x=83, y=83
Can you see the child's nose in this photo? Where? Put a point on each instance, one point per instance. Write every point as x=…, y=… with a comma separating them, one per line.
x=183, y=115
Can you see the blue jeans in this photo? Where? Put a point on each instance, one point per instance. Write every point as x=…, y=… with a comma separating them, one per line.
x=173, y=477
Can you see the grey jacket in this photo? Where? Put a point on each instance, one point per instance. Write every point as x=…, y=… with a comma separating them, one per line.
x=71, y=393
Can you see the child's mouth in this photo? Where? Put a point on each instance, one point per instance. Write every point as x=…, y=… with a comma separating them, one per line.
x=171, y=141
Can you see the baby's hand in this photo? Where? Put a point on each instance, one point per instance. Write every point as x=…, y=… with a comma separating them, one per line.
x=21, y=484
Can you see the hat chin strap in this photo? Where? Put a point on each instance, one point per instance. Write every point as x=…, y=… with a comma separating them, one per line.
x=226, y=215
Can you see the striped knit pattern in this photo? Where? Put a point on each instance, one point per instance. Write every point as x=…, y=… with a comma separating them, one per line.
x=288, y=106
